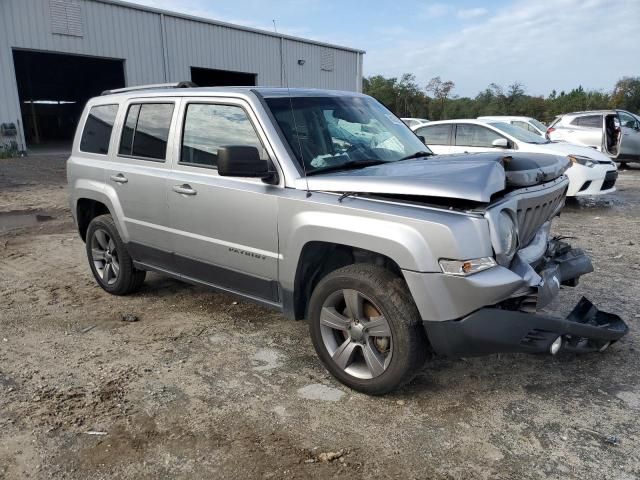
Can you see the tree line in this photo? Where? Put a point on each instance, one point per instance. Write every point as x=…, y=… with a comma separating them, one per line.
x=437, y=100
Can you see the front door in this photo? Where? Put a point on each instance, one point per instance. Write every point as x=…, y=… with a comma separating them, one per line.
x=224, y=229
x=630, y=127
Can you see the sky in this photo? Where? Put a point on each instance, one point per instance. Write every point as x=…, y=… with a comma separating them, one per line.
x=543, y=44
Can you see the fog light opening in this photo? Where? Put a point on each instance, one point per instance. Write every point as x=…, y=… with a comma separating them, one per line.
x=555, y=346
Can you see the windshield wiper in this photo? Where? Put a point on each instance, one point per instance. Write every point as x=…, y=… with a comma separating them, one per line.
x=419, y=154
x=352, y=165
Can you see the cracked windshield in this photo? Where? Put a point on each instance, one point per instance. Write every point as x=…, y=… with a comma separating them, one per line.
x=339, y=133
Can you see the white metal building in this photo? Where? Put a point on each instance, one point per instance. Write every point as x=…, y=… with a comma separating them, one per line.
x=55, y=54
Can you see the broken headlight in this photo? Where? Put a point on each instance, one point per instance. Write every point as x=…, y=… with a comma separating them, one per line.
x=508, y=235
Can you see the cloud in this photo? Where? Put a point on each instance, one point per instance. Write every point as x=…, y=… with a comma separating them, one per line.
x=468, y=13
x=546, y=44
x=434, y=10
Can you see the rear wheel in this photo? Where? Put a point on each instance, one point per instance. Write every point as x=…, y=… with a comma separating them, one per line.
x=366, y=328
x=110, y=263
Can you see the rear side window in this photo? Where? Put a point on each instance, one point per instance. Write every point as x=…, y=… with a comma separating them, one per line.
x=469, y=135
x=591, y=121
x=97, y=129
x=208, y=127
x=435, y=134
x=146, y=131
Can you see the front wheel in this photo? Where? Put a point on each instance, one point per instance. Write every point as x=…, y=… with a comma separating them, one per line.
x=110, y=262
x=366, y=328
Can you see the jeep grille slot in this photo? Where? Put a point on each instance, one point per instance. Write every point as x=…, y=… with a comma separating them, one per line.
x=534, y=211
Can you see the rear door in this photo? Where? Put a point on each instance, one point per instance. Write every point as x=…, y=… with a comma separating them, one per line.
x=137, y=174
x=224, y=228
x=630, y=146
x=436, y=137
x=471, y=138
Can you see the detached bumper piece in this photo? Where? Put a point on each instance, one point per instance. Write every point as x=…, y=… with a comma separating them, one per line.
x=494, y=330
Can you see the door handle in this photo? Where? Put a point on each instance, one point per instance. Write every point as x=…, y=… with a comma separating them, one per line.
x=119, y=178
x=184, y=189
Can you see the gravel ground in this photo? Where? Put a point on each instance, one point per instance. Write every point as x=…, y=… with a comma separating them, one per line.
x=205, y=386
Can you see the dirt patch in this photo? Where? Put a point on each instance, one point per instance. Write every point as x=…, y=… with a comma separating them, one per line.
x=204, y=386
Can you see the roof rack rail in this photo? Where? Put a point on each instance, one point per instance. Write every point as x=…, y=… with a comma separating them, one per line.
x=184, y=84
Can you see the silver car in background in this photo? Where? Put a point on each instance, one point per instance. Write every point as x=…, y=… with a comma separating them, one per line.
x=616, y=133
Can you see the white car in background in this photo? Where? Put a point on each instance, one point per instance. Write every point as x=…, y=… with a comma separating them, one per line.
x=592, y=172
x=616, y=133
x=414, y=122
x=528, y=123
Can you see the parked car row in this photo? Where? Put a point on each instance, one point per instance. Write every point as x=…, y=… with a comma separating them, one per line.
x=591, y=172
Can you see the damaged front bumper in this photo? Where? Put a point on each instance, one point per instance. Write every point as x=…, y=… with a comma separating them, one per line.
x=514, y=326
x=495, y=330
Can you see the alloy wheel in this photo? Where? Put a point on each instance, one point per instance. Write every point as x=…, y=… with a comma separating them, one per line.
x=356, y=334
x=105, y=256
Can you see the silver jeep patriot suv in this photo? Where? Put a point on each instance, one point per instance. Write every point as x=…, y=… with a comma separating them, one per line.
x=324, y=205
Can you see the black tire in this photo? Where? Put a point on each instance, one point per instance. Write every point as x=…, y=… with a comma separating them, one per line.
x=389, y=294
x=128, y=278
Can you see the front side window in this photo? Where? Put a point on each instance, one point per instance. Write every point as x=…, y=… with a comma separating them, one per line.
x=627, y=120
x=97, y=129
x=469, y=135
x=146, y=131
x=435, y=134
x=208, y=127
x=342, y=132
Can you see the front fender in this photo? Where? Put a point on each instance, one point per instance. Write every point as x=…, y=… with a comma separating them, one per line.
x=414, y=238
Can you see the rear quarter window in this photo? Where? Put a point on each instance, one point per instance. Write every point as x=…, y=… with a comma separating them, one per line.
x=96, y=134
x=589, y=121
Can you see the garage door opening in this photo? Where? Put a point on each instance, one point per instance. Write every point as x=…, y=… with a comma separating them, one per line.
x=208, y=77
x=53, y=89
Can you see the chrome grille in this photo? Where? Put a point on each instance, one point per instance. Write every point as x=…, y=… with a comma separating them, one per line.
x=534, y=210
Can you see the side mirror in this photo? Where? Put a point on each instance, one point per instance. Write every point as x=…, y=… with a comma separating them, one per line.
x=241, y=161
x=500, y=143
x=422, y=139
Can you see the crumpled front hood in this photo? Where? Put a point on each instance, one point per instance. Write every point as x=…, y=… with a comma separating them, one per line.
x=474, y=177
